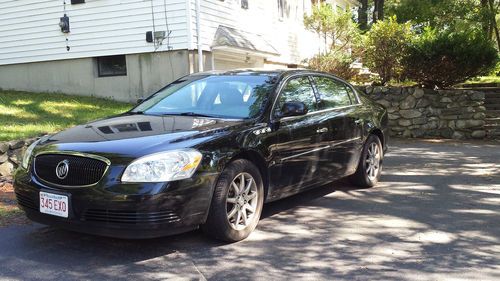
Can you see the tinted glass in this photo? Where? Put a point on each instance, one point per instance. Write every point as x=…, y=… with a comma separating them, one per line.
x=225, y=96
x=298, y=90
x=332, y=93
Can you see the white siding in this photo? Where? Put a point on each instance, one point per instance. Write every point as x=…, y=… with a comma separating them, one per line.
x=29, y=30
x=286, y=34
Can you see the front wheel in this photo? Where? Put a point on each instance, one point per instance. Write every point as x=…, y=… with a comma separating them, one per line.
x=237, y=202
x=370, y=164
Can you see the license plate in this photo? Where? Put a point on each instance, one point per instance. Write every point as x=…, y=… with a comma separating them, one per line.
x=54, y=204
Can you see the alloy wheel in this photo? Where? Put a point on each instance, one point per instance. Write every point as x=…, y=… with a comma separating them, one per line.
x=241, y=201
x=373, y=161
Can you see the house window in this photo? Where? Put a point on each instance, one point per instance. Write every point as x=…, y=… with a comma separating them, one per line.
x=244, y=4
x=112, y=66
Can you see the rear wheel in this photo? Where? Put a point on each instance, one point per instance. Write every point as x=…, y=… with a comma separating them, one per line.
x=370, y=164
x=237, y=202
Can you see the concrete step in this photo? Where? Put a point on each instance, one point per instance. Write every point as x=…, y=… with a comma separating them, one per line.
x=494, y=126
x=491, y=94
x=488, y=100
x=493, y=106
x=493, y=134
x=492, y=113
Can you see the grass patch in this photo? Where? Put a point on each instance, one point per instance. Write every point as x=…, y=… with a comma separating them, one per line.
x=484, y=79
x=24, y=114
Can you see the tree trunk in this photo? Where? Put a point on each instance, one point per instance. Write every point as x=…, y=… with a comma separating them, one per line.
x=380, y=10
x=363, y=15
x=487, y=23
x=375, y=11
x=494, y=22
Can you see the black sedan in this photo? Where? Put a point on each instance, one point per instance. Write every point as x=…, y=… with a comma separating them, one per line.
x=206, y=150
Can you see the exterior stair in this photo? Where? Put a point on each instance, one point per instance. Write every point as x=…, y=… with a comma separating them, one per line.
x=492, y=104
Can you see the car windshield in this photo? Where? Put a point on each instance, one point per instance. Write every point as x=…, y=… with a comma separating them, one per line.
x=222, y=96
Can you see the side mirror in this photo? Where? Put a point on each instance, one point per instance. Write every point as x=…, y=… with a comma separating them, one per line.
x=140, y=100
x=293, y=108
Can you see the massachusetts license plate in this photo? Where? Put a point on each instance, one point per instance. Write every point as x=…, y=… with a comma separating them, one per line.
x=54, y=204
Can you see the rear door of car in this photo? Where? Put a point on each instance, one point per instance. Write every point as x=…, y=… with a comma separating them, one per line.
x=340, y=127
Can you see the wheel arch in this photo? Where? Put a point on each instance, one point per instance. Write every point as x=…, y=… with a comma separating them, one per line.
x=259, y=161
x=377, y=132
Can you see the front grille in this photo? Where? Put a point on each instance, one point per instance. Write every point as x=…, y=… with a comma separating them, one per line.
x=25, y=202
x=128, y=217
x=81, y=170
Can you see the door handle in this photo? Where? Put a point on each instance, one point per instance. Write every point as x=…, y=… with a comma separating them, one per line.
x=322, y=130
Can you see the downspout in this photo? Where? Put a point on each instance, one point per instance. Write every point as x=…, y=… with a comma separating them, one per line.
x=198, y=35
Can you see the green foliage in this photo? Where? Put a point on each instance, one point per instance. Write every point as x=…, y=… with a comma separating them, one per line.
x=446, y=58
x=335, y=26
x=440, y=14
x=341, y=37
x=24, y=115
x=337, y=63
x=385, y=47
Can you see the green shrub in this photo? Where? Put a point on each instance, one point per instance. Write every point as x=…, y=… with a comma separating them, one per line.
x=385, y=47
x=446, y=58
x=335, y=63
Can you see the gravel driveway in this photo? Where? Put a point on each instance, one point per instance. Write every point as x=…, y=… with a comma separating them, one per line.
x=435, y=216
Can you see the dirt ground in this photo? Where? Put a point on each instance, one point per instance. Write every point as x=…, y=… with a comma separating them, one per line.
x=10, y=214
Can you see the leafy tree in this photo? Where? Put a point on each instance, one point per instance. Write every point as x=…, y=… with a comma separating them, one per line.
x=334, y=26
x=341, y=38
x=385, y=48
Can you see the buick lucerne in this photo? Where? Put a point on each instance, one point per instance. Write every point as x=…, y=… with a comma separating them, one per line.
x=207, y=150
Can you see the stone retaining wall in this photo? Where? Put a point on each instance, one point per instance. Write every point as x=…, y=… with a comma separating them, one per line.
x=417, y=112
x=11, y=155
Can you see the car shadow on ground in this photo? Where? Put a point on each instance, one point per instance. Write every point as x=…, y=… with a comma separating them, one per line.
x=434, y=215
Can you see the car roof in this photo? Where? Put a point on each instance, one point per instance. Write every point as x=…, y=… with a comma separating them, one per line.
x=266, y=72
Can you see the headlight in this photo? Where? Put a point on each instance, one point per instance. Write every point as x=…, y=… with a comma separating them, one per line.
x=164, y=166
x=27, y=154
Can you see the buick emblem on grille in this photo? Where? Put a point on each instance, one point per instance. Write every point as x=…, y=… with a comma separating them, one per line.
x=62, y=169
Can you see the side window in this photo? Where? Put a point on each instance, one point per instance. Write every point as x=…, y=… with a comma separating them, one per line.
x=332, y=93
x=352, y=95
x=298, y=89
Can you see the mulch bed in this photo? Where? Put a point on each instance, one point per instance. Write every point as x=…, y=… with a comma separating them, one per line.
x=10, y=214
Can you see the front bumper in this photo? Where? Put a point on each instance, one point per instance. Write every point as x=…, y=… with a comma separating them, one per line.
x=132, y=211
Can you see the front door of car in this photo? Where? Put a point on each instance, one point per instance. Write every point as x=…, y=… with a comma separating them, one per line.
x=296, y=151
x=342, y=129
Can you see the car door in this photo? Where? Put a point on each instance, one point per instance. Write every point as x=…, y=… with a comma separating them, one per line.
x=340, y=130
x=296, y=150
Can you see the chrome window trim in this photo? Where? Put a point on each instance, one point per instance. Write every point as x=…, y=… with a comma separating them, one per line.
x=71, y=153
x=321, y=148
x=311, y=75
x=341, y=81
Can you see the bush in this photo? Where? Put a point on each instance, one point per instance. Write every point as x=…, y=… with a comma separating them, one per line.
x=335, y=63
x=386, y=45
x=447, y=58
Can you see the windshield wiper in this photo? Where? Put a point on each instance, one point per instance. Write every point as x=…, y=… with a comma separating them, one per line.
x=193, y=114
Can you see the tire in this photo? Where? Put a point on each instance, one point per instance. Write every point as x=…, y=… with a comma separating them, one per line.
x=230, y=205
x=369, y=167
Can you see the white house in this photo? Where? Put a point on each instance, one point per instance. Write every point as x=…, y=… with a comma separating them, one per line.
x=127, y=49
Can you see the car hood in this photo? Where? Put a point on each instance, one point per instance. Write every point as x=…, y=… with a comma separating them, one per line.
x=137, y=135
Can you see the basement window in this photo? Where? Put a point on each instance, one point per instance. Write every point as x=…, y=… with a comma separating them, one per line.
x=112, y=66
